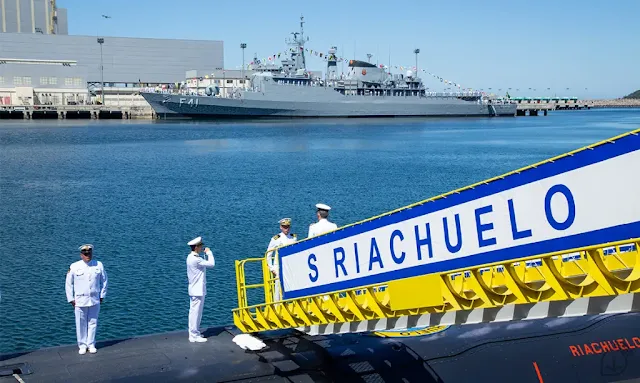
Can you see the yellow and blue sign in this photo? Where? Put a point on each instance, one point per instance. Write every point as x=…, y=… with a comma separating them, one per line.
x=410, y=332
x=582, y=199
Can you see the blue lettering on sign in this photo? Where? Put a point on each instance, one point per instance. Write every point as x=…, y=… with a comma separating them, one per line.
x=482, y=227
x=400, y=259
x=313, y=267
x=484, y=238
x=423, y=241
x=339, y=262
x=376, y=258
x=514, y=229
x=458, y=245
x=563, y=189
x=355, y=249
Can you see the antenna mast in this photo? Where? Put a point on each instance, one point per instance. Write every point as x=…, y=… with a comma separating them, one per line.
x=298, y=41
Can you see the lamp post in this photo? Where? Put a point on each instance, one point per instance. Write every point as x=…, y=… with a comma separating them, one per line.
x=369, y=56
x=101, y=41
x=416, y=51
x=243, y=46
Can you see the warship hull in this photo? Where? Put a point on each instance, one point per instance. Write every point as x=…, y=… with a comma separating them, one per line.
x=255, y=106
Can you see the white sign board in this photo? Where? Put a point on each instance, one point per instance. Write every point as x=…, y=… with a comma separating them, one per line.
x=588, y=198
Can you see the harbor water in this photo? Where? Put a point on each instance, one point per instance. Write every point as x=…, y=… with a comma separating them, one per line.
x=139, y=191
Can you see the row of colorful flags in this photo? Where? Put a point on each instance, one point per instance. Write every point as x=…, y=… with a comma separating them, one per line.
x=326, y=57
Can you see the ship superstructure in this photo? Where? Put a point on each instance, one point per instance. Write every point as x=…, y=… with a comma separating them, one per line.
x=366, y=90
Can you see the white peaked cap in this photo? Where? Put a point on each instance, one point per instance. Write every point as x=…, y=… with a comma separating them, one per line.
x=195, y=241
x=86, y=247
x=322, y=206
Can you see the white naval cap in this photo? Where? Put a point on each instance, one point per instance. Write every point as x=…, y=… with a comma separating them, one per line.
x=322, y=206
x=285, y=222
x=195, y=241
x=86, y=247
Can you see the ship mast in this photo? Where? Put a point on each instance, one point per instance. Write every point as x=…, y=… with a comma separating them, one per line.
x=298, y=41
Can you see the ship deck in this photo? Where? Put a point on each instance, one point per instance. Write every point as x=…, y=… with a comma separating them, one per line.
x=477, y=352
x=153, y=358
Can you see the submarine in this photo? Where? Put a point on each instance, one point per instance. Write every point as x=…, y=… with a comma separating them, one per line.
x=591, y=348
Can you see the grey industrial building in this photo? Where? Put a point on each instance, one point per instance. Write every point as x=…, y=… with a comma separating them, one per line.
x=36, y=52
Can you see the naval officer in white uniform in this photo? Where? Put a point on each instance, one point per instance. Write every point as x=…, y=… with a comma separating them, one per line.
x=278, y=240
x=197, y=274
x=86, y=287
x=323, y=225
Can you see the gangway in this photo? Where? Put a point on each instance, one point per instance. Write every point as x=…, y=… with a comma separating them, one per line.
x=585, y=263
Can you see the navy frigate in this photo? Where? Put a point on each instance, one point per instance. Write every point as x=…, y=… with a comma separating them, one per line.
x=366, y=90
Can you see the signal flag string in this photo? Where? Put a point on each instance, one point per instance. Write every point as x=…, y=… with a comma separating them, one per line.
x=325, y=56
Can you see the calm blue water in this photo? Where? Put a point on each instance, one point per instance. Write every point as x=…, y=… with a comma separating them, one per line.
x=139, y=191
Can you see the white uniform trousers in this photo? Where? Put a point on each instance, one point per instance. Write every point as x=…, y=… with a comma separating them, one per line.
x=86, y=324
x=276, y=289
x=195, y=316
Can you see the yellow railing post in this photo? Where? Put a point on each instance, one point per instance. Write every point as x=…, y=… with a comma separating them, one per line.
x=242, y=297
x=266, y=277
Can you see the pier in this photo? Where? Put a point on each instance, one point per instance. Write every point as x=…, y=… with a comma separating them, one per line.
x=534, y=109
x=534, y=106
x=63, y=112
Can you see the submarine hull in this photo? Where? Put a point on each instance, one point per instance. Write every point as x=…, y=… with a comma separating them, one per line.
x=598, y=348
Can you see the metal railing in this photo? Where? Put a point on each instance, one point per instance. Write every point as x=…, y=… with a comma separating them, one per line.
x=604, y=270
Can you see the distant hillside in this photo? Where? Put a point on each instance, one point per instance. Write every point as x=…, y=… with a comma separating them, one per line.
x=635, y=94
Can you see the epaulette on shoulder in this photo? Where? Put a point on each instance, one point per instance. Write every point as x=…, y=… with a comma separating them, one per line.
x=276, y=236
x=294, y=235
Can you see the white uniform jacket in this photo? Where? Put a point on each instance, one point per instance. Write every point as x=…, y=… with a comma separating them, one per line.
x=86, y=283
x=278, y=240
x=197, y=273
x=321, y=227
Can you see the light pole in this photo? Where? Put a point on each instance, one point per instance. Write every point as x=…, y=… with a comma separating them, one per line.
x=416, y=51
x=243, y=46
x=101, y=41
x=369, y=56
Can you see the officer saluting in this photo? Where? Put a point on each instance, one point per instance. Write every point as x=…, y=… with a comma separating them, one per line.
x=86, y=287
x=197, y=274
x=278, y=240
x=323, y=225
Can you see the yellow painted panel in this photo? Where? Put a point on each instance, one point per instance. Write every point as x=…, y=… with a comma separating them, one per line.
x=411, y=293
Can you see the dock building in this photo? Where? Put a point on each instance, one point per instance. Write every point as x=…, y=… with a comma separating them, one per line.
x=40, y=63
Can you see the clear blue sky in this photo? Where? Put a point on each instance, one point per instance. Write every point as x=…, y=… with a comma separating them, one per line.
x=540, y=44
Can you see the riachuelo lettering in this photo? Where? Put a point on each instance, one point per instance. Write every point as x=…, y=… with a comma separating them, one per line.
x=454, y=242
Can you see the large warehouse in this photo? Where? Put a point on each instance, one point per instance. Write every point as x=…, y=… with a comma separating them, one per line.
x=36, y=52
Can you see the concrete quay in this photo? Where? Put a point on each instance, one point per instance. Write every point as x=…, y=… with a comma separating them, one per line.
x=542, y=106
x=616, y=103
x=99, y=112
